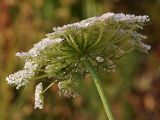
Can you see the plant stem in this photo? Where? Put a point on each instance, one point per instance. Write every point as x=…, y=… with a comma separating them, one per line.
x=40, y=77
x=96, y=80
x=48, y=87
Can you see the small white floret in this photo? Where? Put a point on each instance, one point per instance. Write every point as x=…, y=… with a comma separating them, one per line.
x=146, y=47
x=20, y=78
x=31, y=66
x=39, y=96
x=100, y=59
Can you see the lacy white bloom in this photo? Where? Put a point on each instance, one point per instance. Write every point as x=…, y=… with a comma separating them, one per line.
x=20, y=78
x=31, y=66
x=39, y=96
x=22, y=54
x=137, y=37
x=35, y=51
x=146, y=47
x=102, y=40
x=105, y=17
x=130, y=18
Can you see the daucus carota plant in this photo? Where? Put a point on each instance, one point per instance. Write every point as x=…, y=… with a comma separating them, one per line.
x=84, y=47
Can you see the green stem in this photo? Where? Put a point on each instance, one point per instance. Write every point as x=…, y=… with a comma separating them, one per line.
x=96, y=80
x=40, y=77
x=48, y=87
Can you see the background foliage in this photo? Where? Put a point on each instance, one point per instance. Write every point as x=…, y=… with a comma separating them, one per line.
x=134, y=89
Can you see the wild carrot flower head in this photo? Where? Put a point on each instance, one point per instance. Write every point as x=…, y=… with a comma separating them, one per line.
x=101, y=40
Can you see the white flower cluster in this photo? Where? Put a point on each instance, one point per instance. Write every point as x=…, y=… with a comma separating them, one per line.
x=35, y=51
x=137, y=37
x=108, y=16
x=130, y=18
x=21, y=78
x=67, y=88
x=39, y=96
x=147, y=47
x=30, y=66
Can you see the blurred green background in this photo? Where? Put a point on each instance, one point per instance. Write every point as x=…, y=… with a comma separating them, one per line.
x=134, y=89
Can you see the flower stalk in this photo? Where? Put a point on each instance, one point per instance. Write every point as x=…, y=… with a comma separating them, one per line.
x=48, y=87
x=97, y=82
